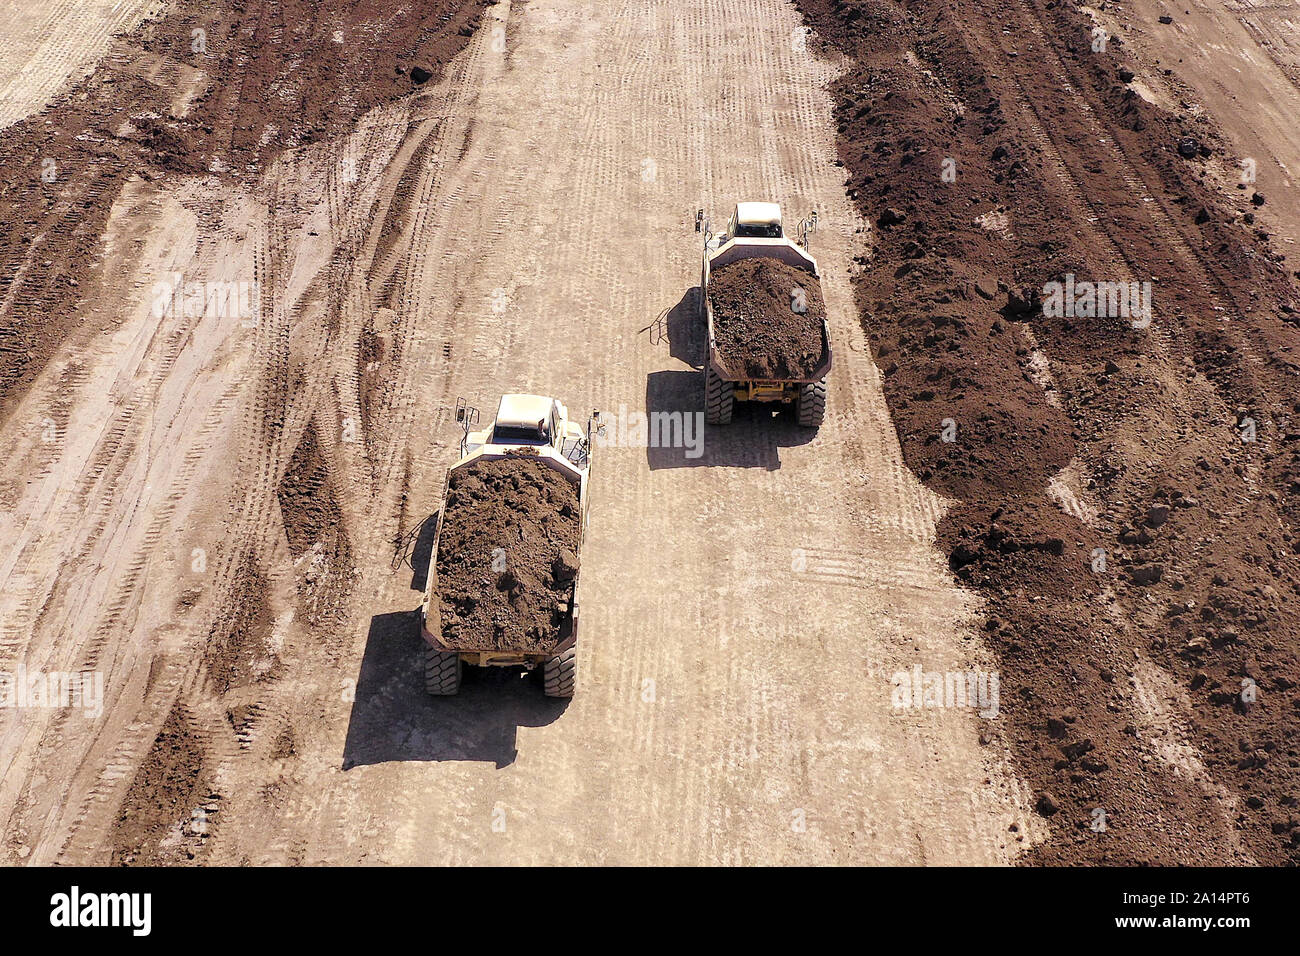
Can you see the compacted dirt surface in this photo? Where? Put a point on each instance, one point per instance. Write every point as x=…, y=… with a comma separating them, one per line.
x=254, y=254
x=767, y=319
x=507, y=556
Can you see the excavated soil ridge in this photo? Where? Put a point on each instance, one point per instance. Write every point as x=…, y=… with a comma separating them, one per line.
x=1127, y=501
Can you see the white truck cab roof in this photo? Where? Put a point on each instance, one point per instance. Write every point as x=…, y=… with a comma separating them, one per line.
x=758, y=214
x=523, y=419
x=523, y=409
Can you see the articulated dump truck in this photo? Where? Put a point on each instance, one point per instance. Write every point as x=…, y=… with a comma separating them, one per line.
x=503, y=587
x=762, y=301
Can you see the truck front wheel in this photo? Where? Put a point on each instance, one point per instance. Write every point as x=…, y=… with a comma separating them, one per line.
x=719, y=397
x=441, y=672
x=810, y=406
x=560, y=674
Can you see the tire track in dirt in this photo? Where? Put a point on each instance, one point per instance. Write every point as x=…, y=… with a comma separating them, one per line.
x=127, y=504
x=48, y=48
x=181, y=385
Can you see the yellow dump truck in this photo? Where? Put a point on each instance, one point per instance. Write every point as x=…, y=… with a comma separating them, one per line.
x=755, y=231
x=503, y=584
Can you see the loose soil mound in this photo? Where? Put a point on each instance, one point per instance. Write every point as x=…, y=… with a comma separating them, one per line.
x=507, y=556
x=1186, y=562
x=158, y=823
x=758, y=331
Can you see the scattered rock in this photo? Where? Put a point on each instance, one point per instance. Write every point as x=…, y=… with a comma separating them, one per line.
x=1157, y=514
x=565, y=566
x=1146, y=573
x=1074, y=751
x=892, y=217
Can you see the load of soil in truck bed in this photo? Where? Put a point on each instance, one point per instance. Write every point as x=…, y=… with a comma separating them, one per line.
x=756, y=328
x=507, y=556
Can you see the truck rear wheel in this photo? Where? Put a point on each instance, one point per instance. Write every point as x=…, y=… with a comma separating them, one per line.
x=810, y=406
x=441, y=672
x=719, y=397
x=560, y=674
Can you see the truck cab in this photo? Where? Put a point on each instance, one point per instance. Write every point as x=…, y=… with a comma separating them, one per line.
x=755, y=220
x=523, y=420
x=755, y=229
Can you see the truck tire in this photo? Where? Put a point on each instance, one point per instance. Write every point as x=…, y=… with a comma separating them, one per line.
x=441, y=672
x=560, y=674
x=810, y=406
x=719, y=397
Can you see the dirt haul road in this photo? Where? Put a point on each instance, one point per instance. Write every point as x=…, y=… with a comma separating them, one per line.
x=214, y=526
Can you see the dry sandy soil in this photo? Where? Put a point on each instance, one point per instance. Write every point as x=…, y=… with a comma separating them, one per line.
x=49, y=46
x=226, y=514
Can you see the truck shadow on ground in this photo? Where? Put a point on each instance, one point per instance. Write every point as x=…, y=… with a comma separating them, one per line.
x=422, y=552
x=394, y=719
x=752, y=440
x=682, y=326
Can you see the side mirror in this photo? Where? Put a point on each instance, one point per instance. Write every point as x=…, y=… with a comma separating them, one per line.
x=460, y=413
x=699, y=219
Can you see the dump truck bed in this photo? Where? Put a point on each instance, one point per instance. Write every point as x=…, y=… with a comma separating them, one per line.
x=503, y=576
x=755, y=330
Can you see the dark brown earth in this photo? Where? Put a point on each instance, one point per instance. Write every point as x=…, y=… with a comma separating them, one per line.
x=757, y=330
x=507, y=556
x=1197, y=528
x=313, y=524
x=162, y=820
x=239, y=650
x=308, y=498
x=272, y=78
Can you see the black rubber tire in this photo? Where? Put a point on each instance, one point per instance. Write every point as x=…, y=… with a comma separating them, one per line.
x=810, y=406
x=442, y=672
x=560, y=674
x=719, y=398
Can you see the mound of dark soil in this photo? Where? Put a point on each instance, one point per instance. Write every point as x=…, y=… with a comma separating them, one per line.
x=507, y=556
x=757, y=323
x=275, y=76
x=1187, y=562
